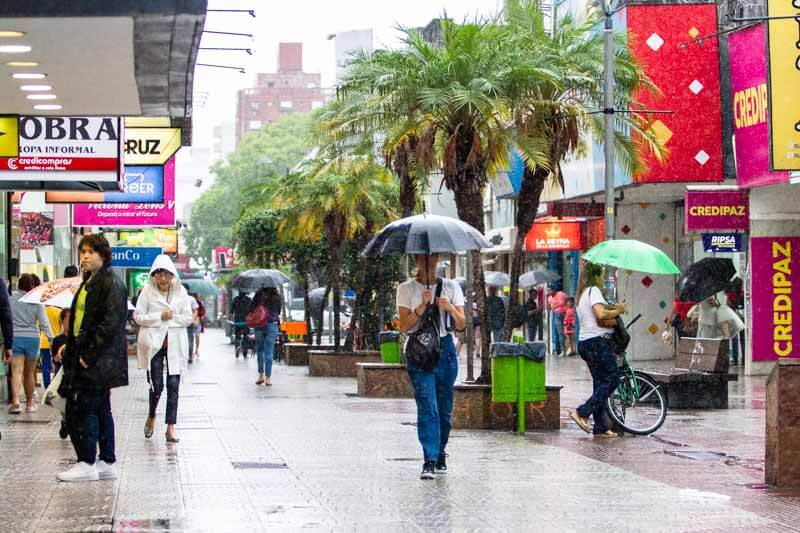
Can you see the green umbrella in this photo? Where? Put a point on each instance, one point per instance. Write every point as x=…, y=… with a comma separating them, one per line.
x=630, y=254
x=201, y=286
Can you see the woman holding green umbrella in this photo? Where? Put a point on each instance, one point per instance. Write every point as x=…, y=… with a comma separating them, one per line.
x=595, y=348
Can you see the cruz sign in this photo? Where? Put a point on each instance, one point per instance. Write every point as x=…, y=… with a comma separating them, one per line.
x=151, y=146
x=717, y=211
x=65, y=150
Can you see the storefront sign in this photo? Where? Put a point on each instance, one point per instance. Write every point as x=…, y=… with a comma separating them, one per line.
x=553, y=236
x=722, y=242
x=65, y=149
x=775, y=297
x=717, y=210
x=784, y=80
x=124, y=256
x=9, y=136
x=139, y=214
x=166, y=239
x=750, y=108
x=223, y=258
x=151, y=146
x=140, y=185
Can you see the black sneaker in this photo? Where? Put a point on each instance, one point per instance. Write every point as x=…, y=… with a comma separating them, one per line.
x=63, y=432
x=428, y=469
x=441, y=464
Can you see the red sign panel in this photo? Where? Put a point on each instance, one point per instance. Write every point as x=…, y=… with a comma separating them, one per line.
x=775, y=295
x=717, y=211
x=688, y=80
x=553, y=236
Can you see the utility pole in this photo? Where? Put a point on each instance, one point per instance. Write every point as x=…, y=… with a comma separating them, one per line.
x=608, y=143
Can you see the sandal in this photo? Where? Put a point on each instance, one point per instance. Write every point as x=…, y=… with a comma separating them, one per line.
x=171, y=438
x=148, y=427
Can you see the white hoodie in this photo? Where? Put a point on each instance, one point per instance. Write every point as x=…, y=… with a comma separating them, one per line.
x=153, y=329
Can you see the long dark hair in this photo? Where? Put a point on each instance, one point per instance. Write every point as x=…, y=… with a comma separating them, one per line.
x=268, y=297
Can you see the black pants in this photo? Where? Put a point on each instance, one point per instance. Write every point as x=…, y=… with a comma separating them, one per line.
x=156, y=379
x=90, y=423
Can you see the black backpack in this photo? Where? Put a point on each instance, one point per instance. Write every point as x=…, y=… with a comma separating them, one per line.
x=423, y=347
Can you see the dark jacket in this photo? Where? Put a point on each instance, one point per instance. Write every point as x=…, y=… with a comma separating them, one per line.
x=6, y=320
x=101, y=341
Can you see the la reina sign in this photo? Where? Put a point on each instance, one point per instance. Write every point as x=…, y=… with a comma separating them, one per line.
x=775, y=263
x=717, y=211
x=553, y=236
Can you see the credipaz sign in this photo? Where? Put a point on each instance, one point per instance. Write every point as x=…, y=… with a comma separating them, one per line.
x=67, y=153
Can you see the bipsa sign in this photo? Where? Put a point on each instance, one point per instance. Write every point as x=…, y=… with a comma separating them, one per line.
x=65, y=153
x=553, y=236
x=775, y=263
x=748, y=61
x=784, y=81
x=717, y=211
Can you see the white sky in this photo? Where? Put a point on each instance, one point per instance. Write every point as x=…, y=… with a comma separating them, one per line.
x=306, y=21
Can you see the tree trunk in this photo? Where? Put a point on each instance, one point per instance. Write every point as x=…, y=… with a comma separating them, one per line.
x=359, y=310
x=528, y=204
x=302, y=270
x=401, y=164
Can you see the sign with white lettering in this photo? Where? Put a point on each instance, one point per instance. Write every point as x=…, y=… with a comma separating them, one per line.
x=717, y=211
x=775, y=297
x=722, y=242
x=65, y=152
x=141, y=184
x=126, y=256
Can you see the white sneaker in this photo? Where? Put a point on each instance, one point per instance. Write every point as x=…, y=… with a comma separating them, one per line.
x=32, y=407
x=105, y=470
x=79, y=472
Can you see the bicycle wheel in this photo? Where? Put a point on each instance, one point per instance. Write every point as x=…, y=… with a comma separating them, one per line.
x=638, y=405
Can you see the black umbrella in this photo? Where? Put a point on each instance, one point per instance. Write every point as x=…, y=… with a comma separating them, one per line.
x=705, y=278
x=425, y=235
x=259, y=278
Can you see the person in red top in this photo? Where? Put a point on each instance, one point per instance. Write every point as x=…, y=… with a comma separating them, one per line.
x=557, y=303
x=677, y=317
x=569, y=327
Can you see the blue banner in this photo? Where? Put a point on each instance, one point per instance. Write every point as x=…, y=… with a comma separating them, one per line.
x=722, y=242
x=129, y=256
x=143, y=185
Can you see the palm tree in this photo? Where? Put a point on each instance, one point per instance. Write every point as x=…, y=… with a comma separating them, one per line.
x=561, y=114
x=334, y=198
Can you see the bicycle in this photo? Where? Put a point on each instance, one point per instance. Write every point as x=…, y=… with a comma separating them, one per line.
x=638, y=404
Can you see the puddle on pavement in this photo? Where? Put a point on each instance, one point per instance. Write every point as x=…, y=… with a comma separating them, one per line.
x=249, y=465
x=662, y=440
x=403, y=459
x=696, y=455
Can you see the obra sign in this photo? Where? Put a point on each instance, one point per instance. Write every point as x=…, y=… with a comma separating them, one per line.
x=61, y=153
x=129, y=256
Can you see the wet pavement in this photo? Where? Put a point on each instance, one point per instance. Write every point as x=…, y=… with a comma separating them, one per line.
x=308, y=454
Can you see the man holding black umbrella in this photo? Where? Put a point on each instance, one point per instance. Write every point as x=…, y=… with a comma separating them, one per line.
x=433, y=390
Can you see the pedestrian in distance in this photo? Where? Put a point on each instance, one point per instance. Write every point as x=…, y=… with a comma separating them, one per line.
x=200, y=324
x=95, y=361
x=534, y=316
x=497, y=313
x=30, y=320
x=267, y=304
x=190, y=328
x=163, y=312
x=569, y=327
x=596, y=349
x=6, y=325
x=433, y=390
x=557, y=304
x=240, y=307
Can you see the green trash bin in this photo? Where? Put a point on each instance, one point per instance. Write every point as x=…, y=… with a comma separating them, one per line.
x=509, y=362
x=389, y=342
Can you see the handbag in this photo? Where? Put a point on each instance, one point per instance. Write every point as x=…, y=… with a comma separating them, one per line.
x=423, y=346
x=257, y=318
x=619, y=337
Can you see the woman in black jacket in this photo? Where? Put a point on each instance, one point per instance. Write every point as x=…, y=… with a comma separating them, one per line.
x=95, y=361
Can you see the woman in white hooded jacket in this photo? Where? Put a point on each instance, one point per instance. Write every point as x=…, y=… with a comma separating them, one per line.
x=163, y=312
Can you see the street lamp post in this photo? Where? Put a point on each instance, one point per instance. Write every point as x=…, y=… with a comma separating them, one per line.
x=608, y=142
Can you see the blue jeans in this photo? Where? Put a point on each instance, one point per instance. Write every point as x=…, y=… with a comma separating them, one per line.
x=47, y=368
x=91, y=423
x=265, y=347
x=599, y=357
x=558, y=340
x=190, y=334
x=433, y=392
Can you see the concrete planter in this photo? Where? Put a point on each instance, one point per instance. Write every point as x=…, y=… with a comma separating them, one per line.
x=384, y=380
x=297, y=352
x=473, y=409
x=339, y=364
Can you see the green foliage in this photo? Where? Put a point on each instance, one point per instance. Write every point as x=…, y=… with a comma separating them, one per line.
x=260, y=160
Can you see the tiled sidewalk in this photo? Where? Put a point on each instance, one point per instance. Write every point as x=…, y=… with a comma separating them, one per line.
x=308, y=454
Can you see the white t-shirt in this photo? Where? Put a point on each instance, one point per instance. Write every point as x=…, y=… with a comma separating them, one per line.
x=409, y=295
x=589, y=327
